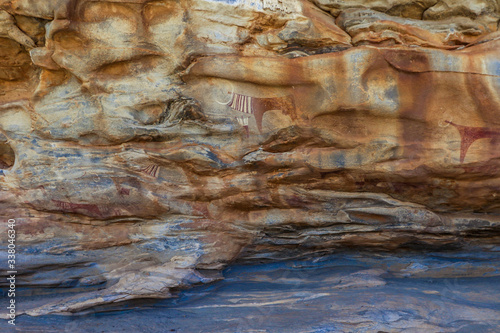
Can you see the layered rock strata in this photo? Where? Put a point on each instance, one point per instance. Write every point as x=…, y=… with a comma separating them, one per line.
x=145, y=142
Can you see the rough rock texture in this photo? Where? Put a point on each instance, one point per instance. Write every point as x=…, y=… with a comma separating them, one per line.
x=344, y=292
x=146, y=142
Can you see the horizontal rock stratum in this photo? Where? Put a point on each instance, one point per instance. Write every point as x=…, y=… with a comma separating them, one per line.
x=144, y=143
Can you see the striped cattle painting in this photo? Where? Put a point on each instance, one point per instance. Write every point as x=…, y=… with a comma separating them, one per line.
x=152, y=170
x=257, y=106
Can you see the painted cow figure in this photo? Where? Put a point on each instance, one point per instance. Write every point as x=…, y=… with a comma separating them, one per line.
x=257, y=106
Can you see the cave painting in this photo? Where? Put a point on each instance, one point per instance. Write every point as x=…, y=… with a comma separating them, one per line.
x=112, y=81
x=470, y=134
x=257, y=106
x=70, y=207
x=124, y=191
x=153, y=170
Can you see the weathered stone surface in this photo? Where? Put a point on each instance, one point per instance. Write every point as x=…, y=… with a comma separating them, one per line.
x=345, y=292
x=145, y=141
x=368, y=26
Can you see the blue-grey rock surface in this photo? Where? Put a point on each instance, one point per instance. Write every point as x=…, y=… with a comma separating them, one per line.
x=344, y=292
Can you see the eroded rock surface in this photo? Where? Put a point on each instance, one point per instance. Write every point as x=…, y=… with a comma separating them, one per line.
x=344, y=292
x=145, y=143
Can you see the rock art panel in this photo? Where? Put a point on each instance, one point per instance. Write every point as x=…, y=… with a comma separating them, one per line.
x=147, y=144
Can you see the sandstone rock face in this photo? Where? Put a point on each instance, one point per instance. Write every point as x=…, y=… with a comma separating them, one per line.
x=146, y=143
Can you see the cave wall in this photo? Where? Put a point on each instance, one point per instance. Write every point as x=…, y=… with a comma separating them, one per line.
x=145, y=143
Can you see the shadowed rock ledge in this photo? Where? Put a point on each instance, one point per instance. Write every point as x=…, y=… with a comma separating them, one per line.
x=146, y=145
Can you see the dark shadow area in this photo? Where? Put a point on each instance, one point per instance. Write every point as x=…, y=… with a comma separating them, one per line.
x=7, y=155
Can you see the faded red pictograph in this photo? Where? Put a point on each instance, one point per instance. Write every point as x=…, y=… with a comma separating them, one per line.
x=71, y=207
x=124, y=191
x=470, y=134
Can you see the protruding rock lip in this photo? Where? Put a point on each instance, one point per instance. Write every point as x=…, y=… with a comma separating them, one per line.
x=366, y=25
x=282, y=71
